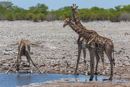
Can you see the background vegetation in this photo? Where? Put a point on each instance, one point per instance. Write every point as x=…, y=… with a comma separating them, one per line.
x=40, y=12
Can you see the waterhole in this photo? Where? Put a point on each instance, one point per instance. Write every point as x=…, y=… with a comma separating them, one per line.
x=13, y=79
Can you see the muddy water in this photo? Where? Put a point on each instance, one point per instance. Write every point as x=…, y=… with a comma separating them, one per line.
x=13, y=80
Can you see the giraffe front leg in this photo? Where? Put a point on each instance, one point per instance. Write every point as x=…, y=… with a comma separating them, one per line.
x=28, y=58
x=79, y=52
x=17, y=66
x=86, y=66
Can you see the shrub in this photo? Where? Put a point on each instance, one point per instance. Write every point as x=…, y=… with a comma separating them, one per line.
x=2, y=17
x=50, y=17
x=10, y=16
x=35, y=18
x=60, y=18
x=41, y=16
x=125, y=17
x=29, y=16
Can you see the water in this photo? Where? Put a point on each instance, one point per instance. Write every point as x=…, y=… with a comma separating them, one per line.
x=13, y=80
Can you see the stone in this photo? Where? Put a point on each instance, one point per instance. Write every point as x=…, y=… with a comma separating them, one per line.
x=6, y=53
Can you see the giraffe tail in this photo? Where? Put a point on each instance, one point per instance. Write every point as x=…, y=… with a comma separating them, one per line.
x=113, y=57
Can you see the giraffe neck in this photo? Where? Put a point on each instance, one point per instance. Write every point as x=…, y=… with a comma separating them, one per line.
x=81, y=32
x=77, y=21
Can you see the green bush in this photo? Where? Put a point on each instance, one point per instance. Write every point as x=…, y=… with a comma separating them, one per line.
x=10, y=16
x=29, y=16
x=40, y=12
x=35, y=18
x=17, y=16
x=41, y=16
x=39, y=8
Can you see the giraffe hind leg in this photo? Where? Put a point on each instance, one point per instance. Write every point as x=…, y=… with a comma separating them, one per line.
x=102, y=58
x=97, y=60
x=92, y=54
x=109, y=55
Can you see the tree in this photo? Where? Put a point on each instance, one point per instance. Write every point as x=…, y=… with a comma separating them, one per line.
x=17, y=9
x=118, y=8
x=95, y=9
x=126, y=8
x=39, y=8
x=66, y=8
x=6, y=5
x=41, y=16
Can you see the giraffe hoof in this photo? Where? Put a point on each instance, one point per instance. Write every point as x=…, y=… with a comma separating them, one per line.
x=96, y=73
x=76, y=74
x=90, y=79
x=86, y=73
x=103, y=73
x=110, y=78
x=31, y=71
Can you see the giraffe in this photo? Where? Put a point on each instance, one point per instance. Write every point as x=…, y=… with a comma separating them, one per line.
x=95, y=43
x=23, y=50
x=81, y=41
x=83, y=45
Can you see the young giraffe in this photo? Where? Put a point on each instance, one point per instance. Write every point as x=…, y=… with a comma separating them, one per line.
x=82, y=43
x=95, y=43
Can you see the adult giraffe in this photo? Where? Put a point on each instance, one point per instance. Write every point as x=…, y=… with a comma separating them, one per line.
x=82, y=43
x=95, y=43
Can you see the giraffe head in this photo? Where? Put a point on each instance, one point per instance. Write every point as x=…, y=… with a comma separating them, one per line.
x=74, y=9
x=67, y=20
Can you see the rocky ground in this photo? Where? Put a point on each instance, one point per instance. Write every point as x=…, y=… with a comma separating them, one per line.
x=54, y=48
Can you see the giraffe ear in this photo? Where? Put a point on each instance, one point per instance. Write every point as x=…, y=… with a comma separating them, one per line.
x=71, y=7
x=77, y=6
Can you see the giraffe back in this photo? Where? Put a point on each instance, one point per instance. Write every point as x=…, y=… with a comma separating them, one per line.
x=24, y=46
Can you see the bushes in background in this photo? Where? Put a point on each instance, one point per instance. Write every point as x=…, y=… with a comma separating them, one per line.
x=50, y=17
x=125, y=17
x=40, y=13
x=10, y=16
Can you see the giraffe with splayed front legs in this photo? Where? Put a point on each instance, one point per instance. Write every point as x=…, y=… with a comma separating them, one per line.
x=95, y=43
x=23, y=50
x=82, y=44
